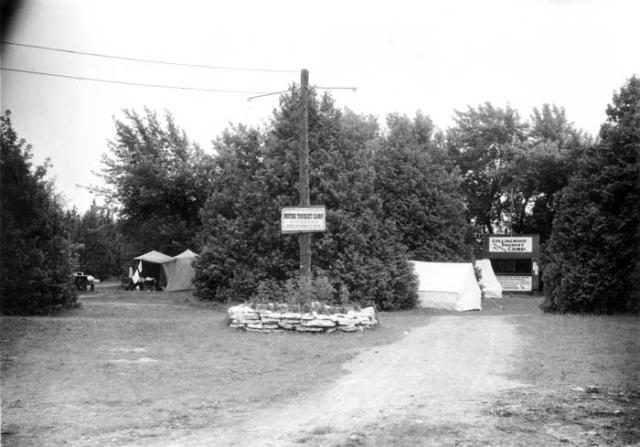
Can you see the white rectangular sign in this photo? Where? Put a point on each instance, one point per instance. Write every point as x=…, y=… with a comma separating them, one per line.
x=515, y=283
x=510, y=244
x=303, y=219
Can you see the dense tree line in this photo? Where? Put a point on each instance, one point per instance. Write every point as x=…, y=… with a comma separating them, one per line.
x=35, y=267
x=402, y=191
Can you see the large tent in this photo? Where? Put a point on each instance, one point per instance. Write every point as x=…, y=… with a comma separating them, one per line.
x=449, y=286
x=179, y=271
x=172, y=273
x=488, y=281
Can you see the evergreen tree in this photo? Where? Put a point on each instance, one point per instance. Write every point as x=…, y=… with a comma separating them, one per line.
x=35, y=267
x=592, y=261
x=257, y=174
x=420, y=192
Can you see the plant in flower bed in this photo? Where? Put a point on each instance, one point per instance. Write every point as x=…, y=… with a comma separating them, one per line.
x=299, y=294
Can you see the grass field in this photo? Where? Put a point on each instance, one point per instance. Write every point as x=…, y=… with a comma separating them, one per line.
x=132, y=366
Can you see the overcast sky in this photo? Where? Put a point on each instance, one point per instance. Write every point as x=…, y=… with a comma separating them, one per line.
x=403, y=56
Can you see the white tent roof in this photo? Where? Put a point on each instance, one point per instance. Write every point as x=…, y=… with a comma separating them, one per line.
x=488, y=281
x=155, y=257
x=449, y=286
x=186, y=254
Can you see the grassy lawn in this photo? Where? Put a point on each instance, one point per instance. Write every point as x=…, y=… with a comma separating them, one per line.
x=131, y=365
x=128, y=366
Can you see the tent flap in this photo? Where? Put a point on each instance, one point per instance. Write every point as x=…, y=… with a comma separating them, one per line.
x=449, y=286
x=488, y=281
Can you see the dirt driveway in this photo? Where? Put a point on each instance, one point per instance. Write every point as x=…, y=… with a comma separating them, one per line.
x=442, y=374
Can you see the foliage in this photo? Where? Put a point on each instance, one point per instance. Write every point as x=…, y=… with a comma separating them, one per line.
x=592, y=261
x=297, y=292
x=97, y=242
x=513, y=169
x=160, y=179
x=420, y=192
x=256, y=175
x=35, y=268
x=483, y=142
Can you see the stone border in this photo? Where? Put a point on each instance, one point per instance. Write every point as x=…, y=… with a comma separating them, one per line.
x=250, y=319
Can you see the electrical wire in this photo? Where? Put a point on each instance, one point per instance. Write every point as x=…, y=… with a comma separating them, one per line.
x=150, y=61
x=139, y=84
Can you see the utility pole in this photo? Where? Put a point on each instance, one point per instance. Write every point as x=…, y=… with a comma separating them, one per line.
x=304, y=239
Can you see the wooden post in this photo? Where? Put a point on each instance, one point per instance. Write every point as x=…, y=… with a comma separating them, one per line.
x=304, y=239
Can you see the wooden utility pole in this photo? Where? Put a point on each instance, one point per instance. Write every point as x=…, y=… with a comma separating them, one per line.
x=304, y=238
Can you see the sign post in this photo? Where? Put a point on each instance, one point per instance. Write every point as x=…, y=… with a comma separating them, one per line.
x=305, y=238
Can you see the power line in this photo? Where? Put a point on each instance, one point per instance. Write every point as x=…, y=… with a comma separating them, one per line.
x=139, y=84
x=150, y=61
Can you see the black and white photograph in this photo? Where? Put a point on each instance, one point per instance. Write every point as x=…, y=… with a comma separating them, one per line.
x=325, y=224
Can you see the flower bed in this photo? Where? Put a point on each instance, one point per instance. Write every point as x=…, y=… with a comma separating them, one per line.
x=279, y=319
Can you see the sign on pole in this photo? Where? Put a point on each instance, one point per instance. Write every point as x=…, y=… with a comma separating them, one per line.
x=303, y=219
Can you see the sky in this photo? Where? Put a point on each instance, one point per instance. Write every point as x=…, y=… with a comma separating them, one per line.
x=403, y=56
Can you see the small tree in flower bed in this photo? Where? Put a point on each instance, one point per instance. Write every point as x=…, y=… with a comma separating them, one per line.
x=302, y=294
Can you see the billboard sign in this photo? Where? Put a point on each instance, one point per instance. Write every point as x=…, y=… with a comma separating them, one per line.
x=516, y=283
x=305, y=219
x=510, y=244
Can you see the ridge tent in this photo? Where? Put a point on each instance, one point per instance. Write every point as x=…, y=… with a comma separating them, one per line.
x=449, y=286
x=150, y=266
x=488, y=281
x=179, y=271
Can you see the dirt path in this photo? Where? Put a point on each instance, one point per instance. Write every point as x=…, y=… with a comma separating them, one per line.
x=439, y=374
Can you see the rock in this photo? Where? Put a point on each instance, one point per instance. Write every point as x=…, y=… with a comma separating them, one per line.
x=309, y=329
x=288, y=326
x=350, y=328
x=255, y=326
x=291, y=315
x=270, y=325
x=247, y=316
x=268, y=320
x=318, y=323
x=368, y=311
x=247, y=321
x=293, y=321
x=345, y=321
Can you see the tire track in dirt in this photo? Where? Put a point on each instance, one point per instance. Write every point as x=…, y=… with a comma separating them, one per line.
x=441, y=373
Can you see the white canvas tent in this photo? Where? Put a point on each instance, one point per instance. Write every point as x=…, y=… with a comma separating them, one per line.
x=179, y=271
x=488, y=281
x=449, y=286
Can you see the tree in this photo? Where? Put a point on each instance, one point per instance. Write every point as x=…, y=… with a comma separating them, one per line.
x=592, y=260
x=419, y=191
x=257, y=174
x=483, y=142
x=98, y=242
x=513, y=169
x=160, y=179
x=35, y=268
